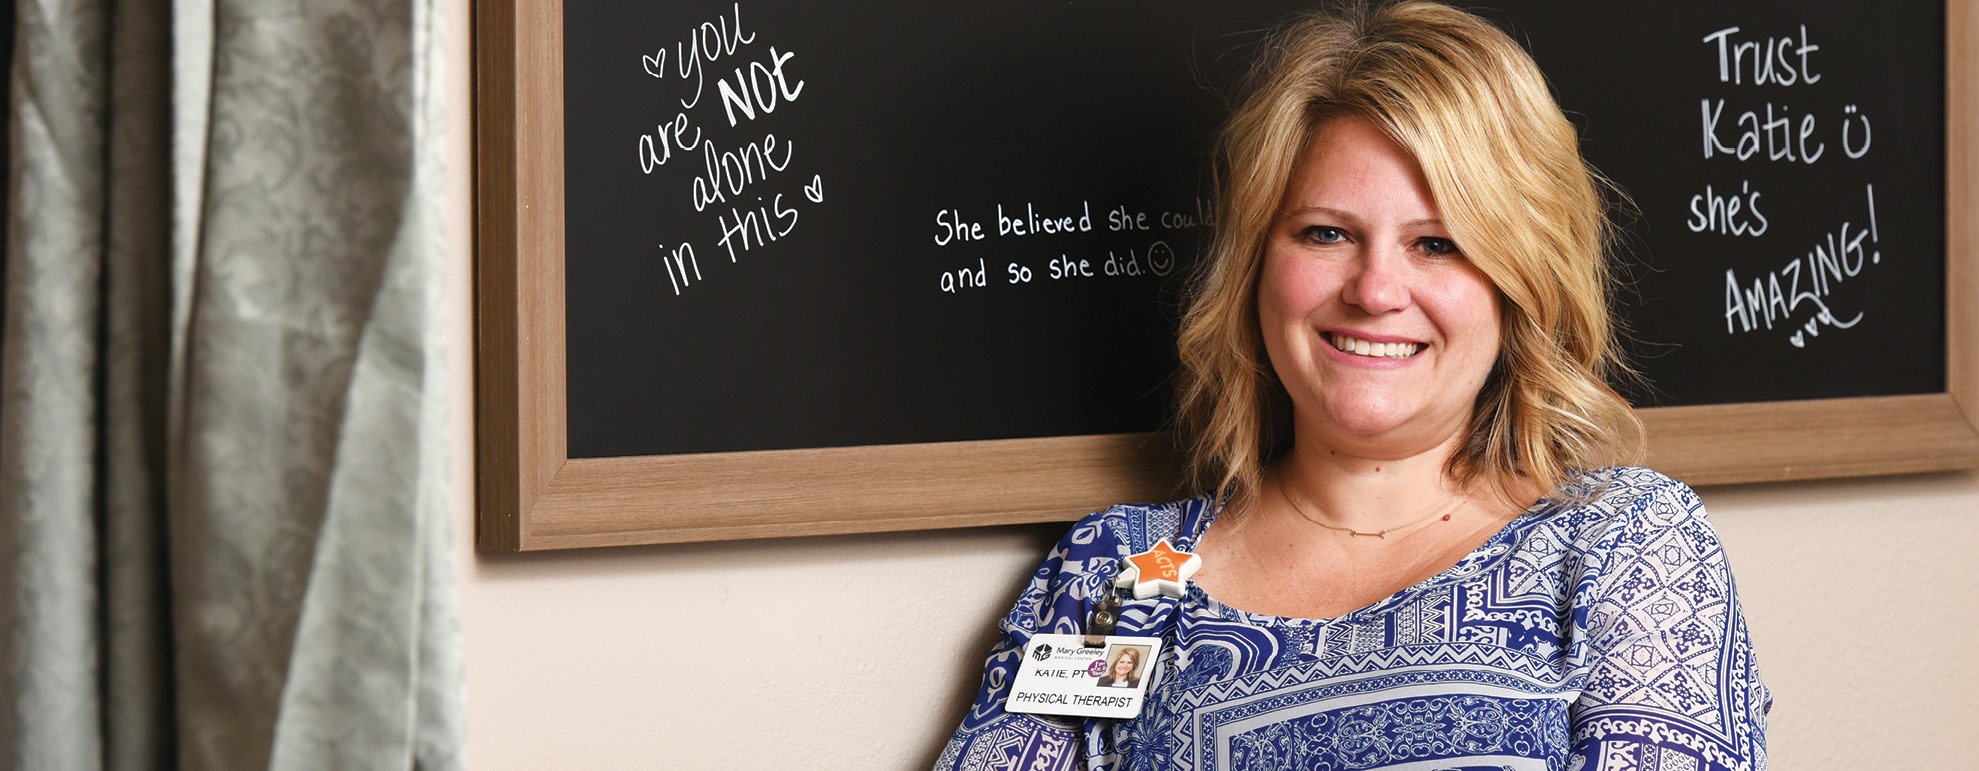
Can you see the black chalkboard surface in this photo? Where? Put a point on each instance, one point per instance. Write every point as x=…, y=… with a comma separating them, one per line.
x=890, y=222
x=752, y=269
x=941, y=223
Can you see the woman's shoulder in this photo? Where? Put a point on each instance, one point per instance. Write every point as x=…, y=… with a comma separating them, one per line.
x=1623, y=506
x=1619, y=485
x=1127, y=528
x=1081, y=567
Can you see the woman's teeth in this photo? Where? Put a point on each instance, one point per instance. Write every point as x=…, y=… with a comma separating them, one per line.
x=1355, y=345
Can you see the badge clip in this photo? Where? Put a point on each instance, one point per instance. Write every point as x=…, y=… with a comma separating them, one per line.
x=1100, y=624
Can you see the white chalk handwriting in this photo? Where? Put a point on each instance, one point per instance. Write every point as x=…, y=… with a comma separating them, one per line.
x=706, y=43
x=1134, y=257
x=1771, y=299
x=1767, y=60
x=736, y=184
x=1795, y=296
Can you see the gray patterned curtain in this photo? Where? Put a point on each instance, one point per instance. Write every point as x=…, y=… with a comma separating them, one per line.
x=223, y=426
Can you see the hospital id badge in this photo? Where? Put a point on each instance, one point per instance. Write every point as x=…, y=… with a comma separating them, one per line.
x=1061, y=675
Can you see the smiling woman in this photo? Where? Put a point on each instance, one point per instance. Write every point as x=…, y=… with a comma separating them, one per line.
x=1418, y=547
x=1378, y=328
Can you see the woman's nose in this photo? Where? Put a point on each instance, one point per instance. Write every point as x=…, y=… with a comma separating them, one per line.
x=1380, y=284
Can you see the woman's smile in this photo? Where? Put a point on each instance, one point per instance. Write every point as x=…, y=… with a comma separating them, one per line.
x=1361, y=346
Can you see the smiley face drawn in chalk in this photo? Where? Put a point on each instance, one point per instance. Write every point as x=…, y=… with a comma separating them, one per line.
x=1161, y=258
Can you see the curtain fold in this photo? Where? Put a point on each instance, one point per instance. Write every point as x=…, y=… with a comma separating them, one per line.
x=136, y=647
x=224, y=509
x=49, y=377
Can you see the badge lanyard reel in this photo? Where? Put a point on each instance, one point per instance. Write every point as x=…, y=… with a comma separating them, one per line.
x=1162, y=571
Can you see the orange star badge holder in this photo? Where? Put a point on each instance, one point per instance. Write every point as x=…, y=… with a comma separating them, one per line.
x=1161, y=570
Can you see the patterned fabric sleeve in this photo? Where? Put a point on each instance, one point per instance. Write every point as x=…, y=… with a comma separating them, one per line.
x=1060, y=595
x=1672, y=683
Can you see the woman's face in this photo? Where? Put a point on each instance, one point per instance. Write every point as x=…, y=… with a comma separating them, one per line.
x=1379, y=327
x=1123, y=665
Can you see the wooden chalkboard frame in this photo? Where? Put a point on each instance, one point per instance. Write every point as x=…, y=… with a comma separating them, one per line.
x=533, y=496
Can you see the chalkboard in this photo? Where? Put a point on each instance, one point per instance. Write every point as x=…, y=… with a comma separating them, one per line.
x=744, y=232
x=849, y=246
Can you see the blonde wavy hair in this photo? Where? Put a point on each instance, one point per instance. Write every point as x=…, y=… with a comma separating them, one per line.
x=1504, y=166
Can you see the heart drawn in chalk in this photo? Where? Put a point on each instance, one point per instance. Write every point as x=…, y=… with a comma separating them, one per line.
x=816, y=190
x=653, y=62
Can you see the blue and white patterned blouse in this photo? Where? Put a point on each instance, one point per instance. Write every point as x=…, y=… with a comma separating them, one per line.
x=1599, y=631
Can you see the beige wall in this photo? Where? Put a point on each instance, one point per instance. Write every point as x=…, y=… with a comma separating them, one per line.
x=860, y=652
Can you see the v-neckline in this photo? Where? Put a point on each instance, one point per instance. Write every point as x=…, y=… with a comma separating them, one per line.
x=1465, y=565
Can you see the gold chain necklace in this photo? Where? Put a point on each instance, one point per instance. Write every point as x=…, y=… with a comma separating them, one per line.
x=1443, y=510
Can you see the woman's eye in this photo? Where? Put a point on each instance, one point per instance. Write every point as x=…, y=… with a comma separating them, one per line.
x=1437, y=246
x=1322, y=234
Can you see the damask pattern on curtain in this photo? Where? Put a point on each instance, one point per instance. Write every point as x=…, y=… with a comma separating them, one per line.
x=224, y=536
